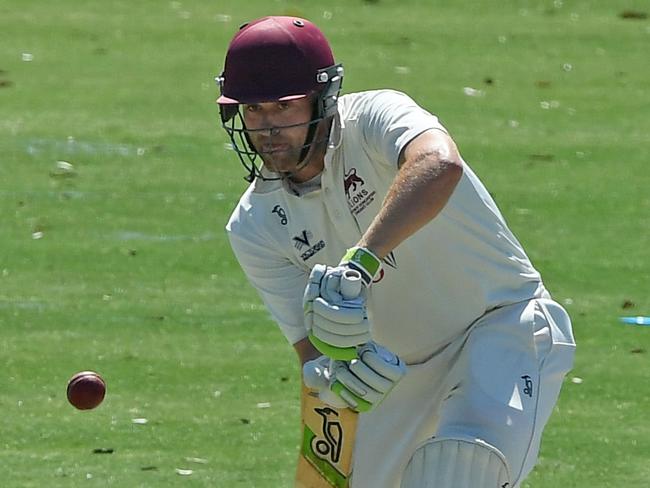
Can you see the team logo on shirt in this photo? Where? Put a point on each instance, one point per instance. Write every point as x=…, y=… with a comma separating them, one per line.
x=352, y=181
x=305, y=239
x=281, y=214
x=358, y=196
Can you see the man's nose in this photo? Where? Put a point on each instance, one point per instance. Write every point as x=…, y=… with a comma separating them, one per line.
x=269, y=131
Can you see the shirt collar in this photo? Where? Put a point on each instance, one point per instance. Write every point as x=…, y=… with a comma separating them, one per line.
x=302, y=189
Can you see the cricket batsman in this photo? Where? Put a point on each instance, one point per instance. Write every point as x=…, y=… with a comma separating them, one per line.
x=453, y=352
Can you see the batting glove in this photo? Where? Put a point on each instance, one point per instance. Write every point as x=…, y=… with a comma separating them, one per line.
x=360, y=384
x=337, y=323
x=364, y=261
x=317, y=375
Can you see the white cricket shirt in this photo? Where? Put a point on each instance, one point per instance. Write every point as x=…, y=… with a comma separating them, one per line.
x=435, y=284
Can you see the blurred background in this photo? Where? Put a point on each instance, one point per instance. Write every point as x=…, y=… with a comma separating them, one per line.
x=116, y=181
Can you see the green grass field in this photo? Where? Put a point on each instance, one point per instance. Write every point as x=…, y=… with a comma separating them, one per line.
x=123, y=266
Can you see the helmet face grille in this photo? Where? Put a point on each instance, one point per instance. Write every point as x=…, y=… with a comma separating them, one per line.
x=248, y=155
x=241, y=143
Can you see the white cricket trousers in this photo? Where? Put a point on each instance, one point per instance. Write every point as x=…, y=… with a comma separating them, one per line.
x=498, y=382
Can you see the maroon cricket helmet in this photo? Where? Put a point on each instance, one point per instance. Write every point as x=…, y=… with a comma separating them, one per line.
x=274, y=59
x=277, y=59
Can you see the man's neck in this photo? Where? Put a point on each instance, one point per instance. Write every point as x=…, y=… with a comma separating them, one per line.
x=313, y=168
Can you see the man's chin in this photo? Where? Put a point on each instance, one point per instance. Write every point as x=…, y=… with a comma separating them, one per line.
x=284, y=168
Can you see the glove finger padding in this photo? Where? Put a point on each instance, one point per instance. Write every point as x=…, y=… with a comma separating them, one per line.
x=317, y=273
x=328, y=282
x=312, y=291
x=335, y=325
x=323, y=287
x=366, y=381
x=354, y=384
x=338, y=328
x=370, y=377
x=333, y=399
x=338, y=340
x=382, y=361
x=344, y=313
x=353, y=401
x=331, y=286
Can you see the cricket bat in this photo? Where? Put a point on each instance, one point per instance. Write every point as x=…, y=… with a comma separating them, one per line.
x=327, y=443
x=328, y=433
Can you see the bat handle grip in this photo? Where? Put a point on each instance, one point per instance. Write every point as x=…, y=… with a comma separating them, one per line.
x=351, y=284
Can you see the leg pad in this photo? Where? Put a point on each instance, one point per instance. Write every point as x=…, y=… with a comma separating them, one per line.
x=456, y=463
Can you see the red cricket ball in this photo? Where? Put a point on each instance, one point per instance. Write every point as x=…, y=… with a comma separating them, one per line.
x=86, y=390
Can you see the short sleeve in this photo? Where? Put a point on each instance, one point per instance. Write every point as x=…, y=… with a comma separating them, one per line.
x=279, y=282
x=390, y=120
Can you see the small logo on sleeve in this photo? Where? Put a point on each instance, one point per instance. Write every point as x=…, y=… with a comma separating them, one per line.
x=528, y=386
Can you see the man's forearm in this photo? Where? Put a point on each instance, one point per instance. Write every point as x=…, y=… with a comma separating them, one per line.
x=421, y=189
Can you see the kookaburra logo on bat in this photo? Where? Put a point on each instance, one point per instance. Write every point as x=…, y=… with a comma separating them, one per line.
x=329, y=447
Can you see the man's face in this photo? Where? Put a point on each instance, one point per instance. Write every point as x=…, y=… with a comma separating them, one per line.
x=278, y=145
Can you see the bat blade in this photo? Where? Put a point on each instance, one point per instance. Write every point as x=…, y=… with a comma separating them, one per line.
x=327, y=444
x=328, y=433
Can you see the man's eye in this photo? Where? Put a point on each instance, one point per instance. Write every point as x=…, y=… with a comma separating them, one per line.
x=252, y=108
x=283, y=105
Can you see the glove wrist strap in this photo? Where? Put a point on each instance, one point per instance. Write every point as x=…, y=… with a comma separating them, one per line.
x=364, y=261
